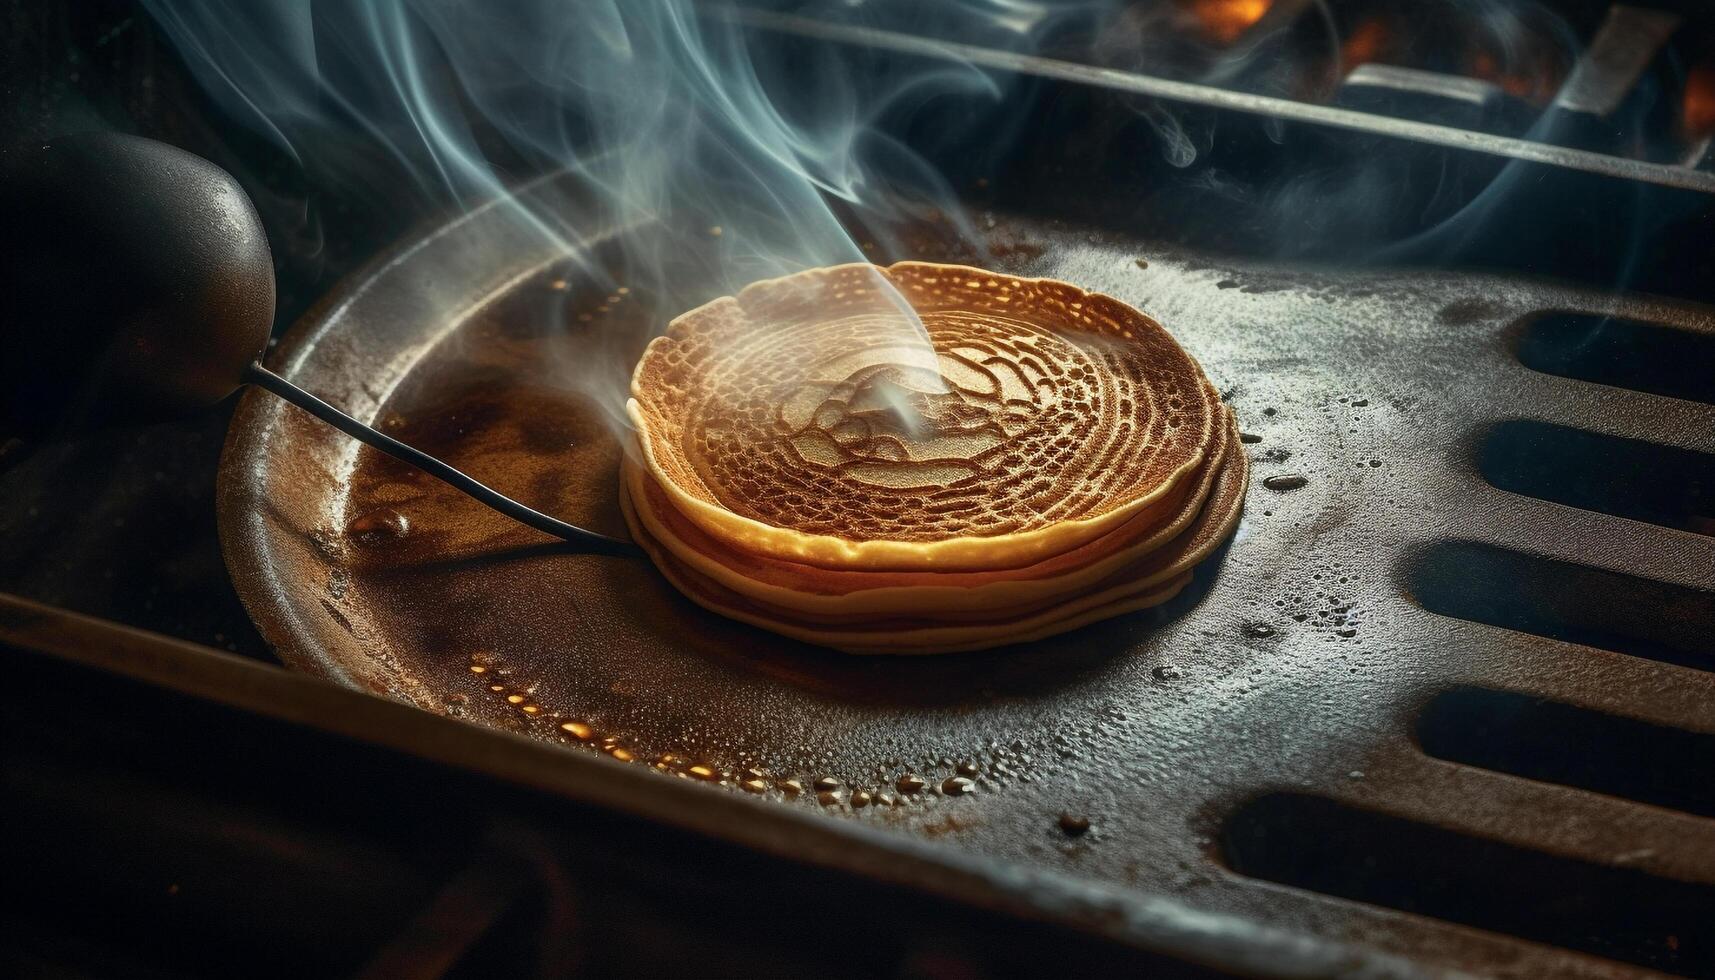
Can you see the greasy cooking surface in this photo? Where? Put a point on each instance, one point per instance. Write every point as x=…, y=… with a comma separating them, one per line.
x=1270, y=720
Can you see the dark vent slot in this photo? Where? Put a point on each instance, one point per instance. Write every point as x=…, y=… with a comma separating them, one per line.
x=1564, y=601
x=1323, y=846
x=1572, y=746
x=1626, y=353
x=1624, y=477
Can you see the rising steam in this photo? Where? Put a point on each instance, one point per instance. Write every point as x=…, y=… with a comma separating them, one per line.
x=732, y=152
x=676, y=116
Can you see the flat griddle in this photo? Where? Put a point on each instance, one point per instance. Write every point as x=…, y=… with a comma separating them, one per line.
x=1236, y=749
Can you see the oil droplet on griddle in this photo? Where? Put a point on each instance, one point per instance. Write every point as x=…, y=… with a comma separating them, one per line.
x=378, y=527
x=828, y=798
x=827, y=784
x=957, y=786
x=860, y=799
x=1074, y=825
x=705, y=773
x=1286, y=482
x=755, y=785
x=967, y=768
x=577, y=730
x=910, y=784
x=791, y=787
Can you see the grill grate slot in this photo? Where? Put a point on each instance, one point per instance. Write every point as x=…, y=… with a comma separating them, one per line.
x=1572, y=746
x=1648, y=357
x=1625, y=477
x=1317, y=844
x=1565, y=601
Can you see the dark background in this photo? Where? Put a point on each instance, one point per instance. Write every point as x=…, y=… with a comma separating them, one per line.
x=121, y=523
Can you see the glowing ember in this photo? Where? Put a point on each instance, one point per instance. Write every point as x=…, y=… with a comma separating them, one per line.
x=1535, y=81
x=1699, y=116
x=1364, y=44
x=1226, y=20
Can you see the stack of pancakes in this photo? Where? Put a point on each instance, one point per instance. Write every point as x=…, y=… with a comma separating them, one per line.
x=926, y=458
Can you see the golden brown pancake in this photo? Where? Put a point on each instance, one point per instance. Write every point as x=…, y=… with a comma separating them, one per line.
x=893, y=637
x=926, y=458
x=821, y=591
x=1146, y=583
x=995, y=423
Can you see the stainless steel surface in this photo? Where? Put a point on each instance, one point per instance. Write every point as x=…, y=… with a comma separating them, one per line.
x=1298, y=668
x=1475, y=91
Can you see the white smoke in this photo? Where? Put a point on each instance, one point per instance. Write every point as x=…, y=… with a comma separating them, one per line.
x=667, y=115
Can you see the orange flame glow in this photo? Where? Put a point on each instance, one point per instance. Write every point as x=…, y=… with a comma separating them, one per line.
x=1364, y=44
x=1699, y=105
x=1227, y=20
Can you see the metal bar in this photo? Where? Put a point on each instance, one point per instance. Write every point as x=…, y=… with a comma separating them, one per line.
x=1261, y=105
x=1441, y=85
x=1610, y=67
x=1139, y=920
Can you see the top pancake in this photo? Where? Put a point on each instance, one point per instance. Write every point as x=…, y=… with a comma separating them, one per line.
x=920, y=416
